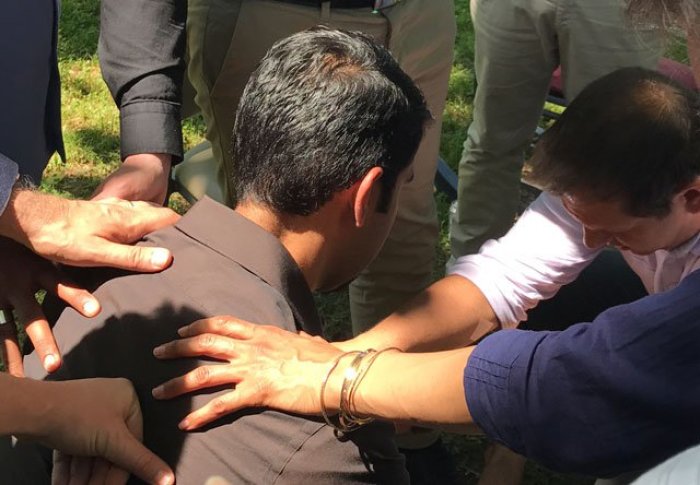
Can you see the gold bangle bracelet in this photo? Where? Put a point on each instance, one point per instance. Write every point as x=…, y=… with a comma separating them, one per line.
x=338, y=428
x=349, y=411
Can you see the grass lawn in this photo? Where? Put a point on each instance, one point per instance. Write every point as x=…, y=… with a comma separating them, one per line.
x=91, y=130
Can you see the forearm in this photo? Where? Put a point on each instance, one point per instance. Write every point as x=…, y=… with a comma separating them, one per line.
x=26, y=212
x=451, y=313
x=23, y=406
x=422, y=389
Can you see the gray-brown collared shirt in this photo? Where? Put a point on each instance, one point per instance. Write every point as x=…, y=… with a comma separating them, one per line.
x=223, y=264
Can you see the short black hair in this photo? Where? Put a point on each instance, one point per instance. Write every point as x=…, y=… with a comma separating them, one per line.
x=632, y=136
x=322, y=108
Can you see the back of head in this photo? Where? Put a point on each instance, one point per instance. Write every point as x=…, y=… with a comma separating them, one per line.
x=633, y=136
x=323, y=107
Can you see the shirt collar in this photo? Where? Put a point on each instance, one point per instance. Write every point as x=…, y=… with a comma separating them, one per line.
x=685, y=250
x=237, y=238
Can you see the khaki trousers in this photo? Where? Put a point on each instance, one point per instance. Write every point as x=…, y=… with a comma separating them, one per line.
x=227, y=39
x=518, y=43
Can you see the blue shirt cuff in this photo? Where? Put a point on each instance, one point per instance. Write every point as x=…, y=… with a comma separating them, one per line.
x=489, y=388
x=8, y=176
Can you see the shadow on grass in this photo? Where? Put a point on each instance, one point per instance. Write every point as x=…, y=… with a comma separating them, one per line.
x=104, y=145
x=72, y=186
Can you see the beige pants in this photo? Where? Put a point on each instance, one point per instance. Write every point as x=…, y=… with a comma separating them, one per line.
x=226, y=40
x=518, y=43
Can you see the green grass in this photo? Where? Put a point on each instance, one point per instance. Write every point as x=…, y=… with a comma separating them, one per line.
x=91, y=129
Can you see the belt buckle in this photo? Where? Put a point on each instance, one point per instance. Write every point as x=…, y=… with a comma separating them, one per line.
x=382, y=4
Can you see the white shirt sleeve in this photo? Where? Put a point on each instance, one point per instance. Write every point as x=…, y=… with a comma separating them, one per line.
x=680, y=469
x=540, y=254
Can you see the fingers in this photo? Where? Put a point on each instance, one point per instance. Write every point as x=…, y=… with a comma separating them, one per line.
x=131, y=455
x=214, y=409
x=100, y=234
x=222, y=325
x=60, y=473
x=116, y=476
x=133, y=220
x=200, y=378
x=37, y=329
x=132, y=258
x=99, y=472
x=78, y=298
x=85, y=471
x=80, y=469
x=206, y=344
x=9, y=348
x=217, y=480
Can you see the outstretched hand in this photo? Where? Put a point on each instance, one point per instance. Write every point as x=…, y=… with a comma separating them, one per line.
x=24, y=274
x=266, y=365
x=82, y=233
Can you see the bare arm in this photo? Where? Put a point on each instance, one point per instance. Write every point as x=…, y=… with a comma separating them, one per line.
x=412, y=393
x=449, y=314
x=398, y=387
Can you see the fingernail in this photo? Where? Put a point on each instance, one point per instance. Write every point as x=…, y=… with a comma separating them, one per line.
x=184, y=424
x=181, y=331
x=165, y=479
x=91, y=307
x=158, y=351
x=157, y=392
x=160, y=257
x=50, y=362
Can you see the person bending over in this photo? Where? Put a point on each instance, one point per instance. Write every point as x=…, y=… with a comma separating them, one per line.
x=618, y=395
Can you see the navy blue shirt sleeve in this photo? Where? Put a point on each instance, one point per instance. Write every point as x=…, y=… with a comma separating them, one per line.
x=8, y=177
x=619, y=394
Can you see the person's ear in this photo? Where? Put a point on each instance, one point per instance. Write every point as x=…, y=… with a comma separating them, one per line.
x=367, y=195
x=691, y=197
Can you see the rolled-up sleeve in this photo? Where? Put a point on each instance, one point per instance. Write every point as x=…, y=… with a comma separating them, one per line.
x=540, y=254
x=142, y=46
x=8, y=176
x=616, y=395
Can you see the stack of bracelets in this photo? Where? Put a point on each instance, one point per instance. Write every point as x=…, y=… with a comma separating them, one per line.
x=352, y=377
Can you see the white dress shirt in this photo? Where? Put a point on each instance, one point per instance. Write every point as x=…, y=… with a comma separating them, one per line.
x=545, y=250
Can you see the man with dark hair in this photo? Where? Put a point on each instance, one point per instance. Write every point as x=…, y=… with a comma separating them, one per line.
x=617, y=395
x=285, y=165
x=646, y=145
x=326, y=134
x=623, y=167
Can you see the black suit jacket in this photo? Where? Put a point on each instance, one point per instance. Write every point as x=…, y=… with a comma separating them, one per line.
x=30, y=92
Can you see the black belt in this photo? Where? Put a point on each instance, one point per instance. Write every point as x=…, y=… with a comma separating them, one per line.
x=334, y=3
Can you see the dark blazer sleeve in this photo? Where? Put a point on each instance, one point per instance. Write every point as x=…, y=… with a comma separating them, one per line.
x=8, y=177
x=141, y=50
x=616, y=395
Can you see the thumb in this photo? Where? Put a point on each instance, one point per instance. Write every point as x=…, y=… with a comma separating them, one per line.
x=142, y=218
x=131, y=455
